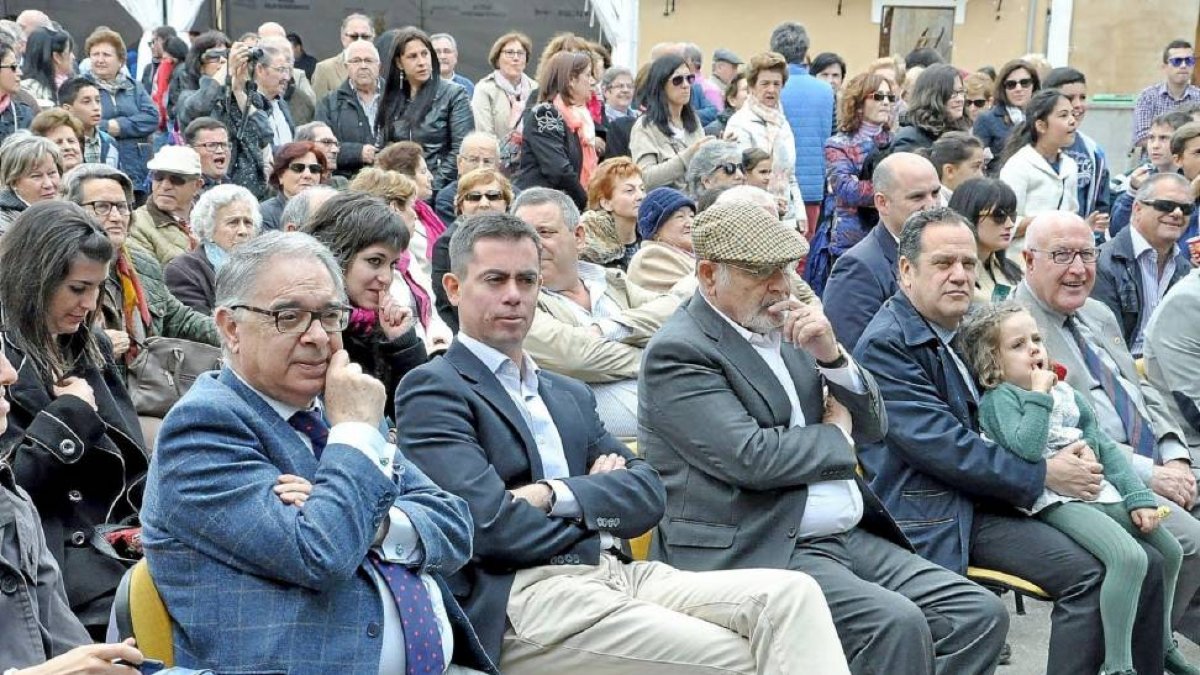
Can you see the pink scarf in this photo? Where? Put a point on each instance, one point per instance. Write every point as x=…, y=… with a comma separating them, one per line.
x=424, y=302
x=5, y=101
x=434, y=227
x=579, y=121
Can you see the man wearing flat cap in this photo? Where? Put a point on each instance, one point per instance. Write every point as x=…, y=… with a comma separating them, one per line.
x=725, y=65
x=750, y=411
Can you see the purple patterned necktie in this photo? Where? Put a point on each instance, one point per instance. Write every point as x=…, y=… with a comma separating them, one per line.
x=422, y=640
x=312, y=424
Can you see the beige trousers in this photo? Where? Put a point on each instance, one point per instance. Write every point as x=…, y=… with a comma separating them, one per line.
x=647, y=617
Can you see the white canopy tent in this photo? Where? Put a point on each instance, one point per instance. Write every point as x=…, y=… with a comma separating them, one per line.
x=149, y=14
x=619, y=21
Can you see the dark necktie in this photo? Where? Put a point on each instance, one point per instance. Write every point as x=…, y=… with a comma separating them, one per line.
x=312, y=424
x=422, y=640
x=1140, y=435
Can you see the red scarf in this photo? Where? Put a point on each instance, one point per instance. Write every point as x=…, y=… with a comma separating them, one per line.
x=133, y=297
x=579, y=121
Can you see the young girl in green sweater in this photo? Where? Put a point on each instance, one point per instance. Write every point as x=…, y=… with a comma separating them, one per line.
x=1029, y=412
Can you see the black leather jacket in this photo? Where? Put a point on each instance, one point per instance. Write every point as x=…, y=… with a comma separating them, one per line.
x=441, y=133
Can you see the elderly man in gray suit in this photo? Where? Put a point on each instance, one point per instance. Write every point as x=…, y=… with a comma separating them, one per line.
x=1083, y=335
x=750, y=411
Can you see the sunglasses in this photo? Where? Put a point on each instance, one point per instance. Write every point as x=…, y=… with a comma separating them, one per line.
x=360, y=36
x=1023, y=83
x=997, y=215
x=173, y=178
x=490, y=195
x=299, y=167
x=730, y=168
x=215, y=55
x=11, y=66
x=1181, y=61
x=890, y=98
x=678, y=80
x=1168, y=206
x=977, y=102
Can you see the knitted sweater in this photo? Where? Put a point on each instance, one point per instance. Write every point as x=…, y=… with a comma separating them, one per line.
x=1019, y=420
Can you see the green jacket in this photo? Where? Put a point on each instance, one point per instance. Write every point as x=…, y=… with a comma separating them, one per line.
x=169, y=317
x=1019, y=420
x=158, y=234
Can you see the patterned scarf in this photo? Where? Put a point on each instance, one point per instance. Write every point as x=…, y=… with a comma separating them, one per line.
x=133, y=303
x=579, y=121
x=363, y=321
x=772, y=117
x=517, y=96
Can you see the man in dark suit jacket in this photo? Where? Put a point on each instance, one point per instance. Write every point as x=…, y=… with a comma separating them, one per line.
x=332, y=578
x=952, y=490
x=550, y=489
x=765, y=477
x=1139, y=265
x=865, y=276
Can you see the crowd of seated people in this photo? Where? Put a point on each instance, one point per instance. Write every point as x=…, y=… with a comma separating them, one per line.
x=425, y=356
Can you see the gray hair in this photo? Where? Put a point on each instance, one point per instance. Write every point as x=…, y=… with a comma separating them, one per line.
x=537, y=196
x=359, y=17
x=706, y=160
x=299, y=208
x=274, y=47
x=611, y=76
x=914, y=229
x=475, y=228
x=364, y=43
x=444, y=36
x=308, y=132
x=790, y=39
x=692, y=54
x=749, y=194
x=204, y=213
x=21, y=152
x=481, y=136
x=1150, y=188
x=12, y=30
x=239, y=276
x=72, y=183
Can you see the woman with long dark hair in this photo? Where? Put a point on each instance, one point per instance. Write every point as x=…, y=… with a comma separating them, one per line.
x=418, y=105
x=49, y=61
x=1016, y=84
x=75, y=442
x=989, y=207
x=937, y=105
x=665, y=138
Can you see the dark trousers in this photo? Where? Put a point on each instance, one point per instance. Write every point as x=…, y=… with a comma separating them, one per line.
x=1038, y=553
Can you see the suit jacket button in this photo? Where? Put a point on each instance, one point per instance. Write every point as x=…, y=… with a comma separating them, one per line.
x=75, y=496
x=9, y=585
x=372, y=630
x=791, y=533
x=78, y=538
x=67, y=447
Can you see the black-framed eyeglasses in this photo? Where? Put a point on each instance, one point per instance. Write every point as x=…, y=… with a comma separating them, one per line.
x=1065, y=257
x=490, y=195
x=730, y=168
x=213, y=146
x=293, y=321
x=1023, y=83
x=300, y=167
x=678, y=80
x=102, y=208
x=175, y=179
x=1181, y=61
x=977, y=102
x=1168, y=206
x=513, y=53
x=880, y=97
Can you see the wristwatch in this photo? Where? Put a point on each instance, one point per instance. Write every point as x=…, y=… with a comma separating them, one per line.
x=840, y=362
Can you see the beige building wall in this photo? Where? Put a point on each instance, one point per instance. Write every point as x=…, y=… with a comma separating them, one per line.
x=1119, y=52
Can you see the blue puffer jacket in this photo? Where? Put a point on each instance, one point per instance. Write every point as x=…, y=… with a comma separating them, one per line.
x=137, y=116
x=808, y=104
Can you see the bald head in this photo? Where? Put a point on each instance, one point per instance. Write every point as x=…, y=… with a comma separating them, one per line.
x=664, y=48
x=904, y=184
x=1062, y=286
x=272, y=29
x=31, y=20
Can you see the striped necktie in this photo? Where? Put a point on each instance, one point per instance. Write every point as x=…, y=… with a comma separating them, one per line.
x=1137, y=429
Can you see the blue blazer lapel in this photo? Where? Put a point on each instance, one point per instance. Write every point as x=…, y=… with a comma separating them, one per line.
x=283, y=432
x=490, y=390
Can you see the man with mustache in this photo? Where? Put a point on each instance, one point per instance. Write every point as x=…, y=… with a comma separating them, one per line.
x=750, y=410
x=348, y=573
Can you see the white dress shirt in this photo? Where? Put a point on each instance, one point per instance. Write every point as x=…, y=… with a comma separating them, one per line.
x=833, y=506
x=521, y=385
x=1154, y=283
x=401, y=544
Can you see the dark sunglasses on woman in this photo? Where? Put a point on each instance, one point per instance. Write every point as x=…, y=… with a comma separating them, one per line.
x=977, y=102
x=679, y=79
x=1024, y=83
x=492, y=196
x=880, y=96
x=299, y=167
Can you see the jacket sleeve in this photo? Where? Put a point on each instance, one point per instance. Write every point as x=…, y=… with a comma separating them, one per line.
x=436, y=427
x=924, y=431
x=842, y=169
x=1017, y=420
x=1174, y=345
x=179, y=320
x=726, y=442
x=204, y=101
x=62, y=631
x=656, y=169
x=852, y=296
x=57, y=435
x=350, y=157
x=1015, y=174
x=575, y=352
x=185, y=283
x=1122, y=210
x=1117, y=468
x=144, y=120
x=545, y=138
x=482, y=104
x=223, y=506
x=462, y=122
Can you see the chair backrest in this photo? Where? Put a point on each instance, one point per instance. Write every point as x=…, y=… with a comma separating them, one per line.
x=141, y=614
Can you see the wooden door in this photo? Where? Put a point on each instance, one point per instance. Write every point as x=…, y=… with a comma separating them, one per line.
x=904, y=29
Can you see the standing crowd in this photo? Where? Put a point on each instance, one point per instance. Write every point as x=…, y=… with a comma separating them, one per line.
x=375, y=369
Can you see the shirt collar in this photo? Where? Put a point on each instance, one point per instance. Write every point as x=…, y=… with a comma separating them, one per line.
x=770, y=340
x=945, y=335
x=493, y=358
x=1140, y=245
x=1061, y=318
x=284, y=410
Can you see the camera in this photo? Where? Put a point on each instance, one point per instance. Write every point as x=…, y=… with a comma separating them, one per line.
x=255, y=55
